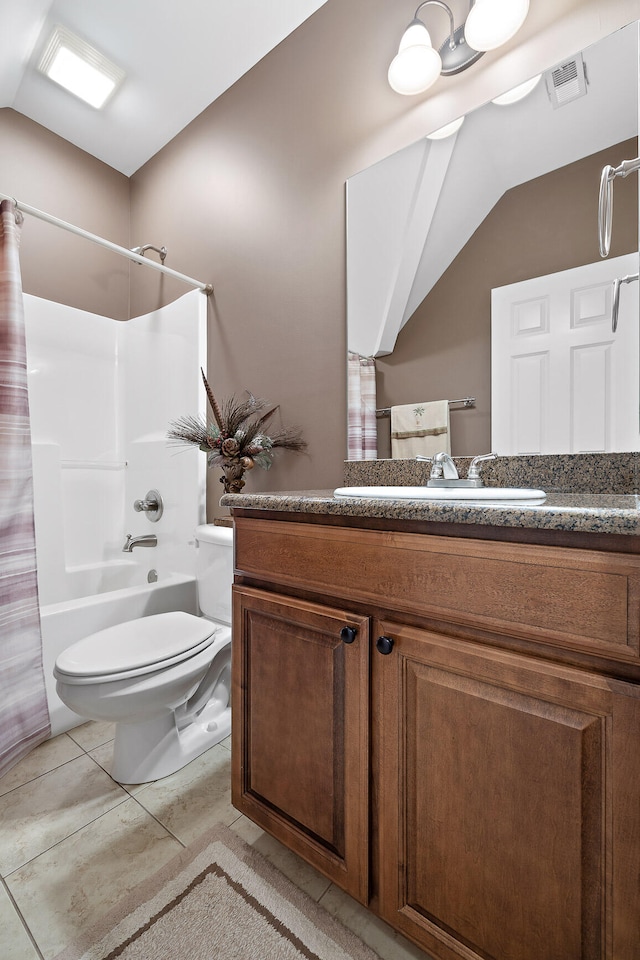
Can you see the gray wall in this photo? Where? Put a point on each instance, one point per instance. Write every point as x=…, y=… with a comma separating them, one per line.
x=251, y=196
x=46, y=172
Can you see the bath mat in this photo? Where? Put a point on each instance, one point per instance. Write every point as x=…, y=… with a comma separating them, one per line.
x=218, y=900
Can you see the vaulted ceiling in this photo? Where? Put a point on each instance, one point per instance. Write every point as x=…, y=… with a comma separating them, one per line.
x=178, y=57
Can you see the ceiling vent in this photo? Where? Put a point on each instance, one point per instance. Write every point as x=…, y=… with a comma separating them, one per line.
x=567, y=82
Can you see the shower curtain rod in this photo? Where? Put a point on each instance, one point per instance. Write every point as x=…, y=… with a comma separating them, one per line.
x=129, y=254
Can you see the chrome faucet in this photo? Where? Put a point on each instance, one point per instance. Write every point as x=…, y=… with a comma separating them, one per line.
x=443, y=466
x=148, y=540
x=444, y=472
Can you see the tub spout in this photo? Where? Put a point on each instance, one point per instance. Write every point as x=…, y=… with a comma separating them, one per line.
x=148, y=540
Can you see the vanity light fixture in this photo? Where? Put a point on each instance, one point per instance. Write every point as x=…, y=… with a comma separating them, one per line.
x=489, y=24
x=517, y=93
x=78, y=67
x=447, y=131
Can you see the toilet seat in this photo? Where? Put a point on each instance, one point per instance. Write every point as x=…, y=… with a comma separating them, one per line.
x=135, y=648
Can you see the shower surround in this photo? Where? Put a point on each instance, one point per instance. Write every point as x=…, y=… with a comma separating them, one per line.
x=101, y=394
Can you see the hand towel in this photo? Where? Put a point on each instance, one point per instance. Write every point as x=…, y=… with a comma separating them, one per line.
x=420, y=428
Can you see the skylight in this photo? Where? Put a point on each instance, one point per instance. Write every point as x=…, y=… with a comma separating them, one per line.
x=80, y=68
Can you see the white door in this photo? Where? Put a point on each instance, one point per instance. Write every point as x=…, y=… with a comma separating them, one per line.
x=561, y=380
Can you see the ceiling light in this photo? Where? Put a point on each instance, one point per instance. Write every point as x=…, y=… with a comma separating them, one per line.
x=79, y=68
x=447, y=131
x=492, y=22
x=517, y=93
x=417, y=64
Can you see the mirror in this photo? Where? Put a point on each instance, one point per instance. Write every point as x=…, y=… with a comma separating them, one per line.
x=513, y=195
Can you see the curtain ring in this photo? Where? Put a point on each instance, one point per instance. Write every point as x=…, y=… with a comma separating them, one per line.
x=19, y=216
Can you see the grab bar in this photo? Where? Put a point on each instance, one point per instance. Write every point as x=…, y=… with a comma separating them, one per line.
x=605, y=200
x=615, y=309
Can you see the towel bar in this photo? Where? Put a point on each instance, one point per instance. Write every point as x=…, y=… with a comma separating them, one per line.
x=466, y=402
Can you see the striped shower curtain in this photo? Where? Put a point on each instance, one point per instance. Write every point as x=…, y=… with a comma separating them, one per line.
x=24, y=717
x=362, y=432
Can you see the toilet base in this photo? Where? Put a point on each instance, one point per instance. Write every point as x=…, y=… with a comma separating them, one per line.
x=153, y=749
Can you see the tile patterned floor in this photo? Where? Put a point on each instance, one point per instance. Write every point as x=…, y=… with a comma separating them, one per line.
x=73, y=843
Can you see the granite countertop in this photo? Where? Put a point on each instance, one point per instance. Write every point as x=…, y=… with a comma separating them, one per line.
x=579, y=512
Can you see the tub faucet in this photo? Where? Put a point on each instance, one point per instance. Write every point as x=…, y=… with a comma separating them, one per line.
x=148, y=540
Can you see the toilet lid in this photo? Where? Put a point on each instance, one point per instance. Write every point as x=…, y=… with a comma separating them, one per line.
x=146, y=642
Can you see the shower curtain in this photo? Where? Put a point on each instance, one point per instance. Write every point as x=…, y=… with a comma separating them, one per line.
x=362, y=432
x=24, y=716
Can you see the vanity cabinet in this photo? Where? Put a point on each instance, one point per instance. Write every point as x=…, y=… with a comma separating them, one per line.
x=449, y=729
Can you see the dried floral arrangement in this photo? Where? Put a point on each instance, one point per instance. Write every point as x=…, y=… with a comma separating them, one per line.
x=235, y=439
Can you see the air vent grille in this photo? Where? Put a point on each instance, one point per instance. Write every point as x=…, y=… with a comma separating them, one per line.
x=566, y=82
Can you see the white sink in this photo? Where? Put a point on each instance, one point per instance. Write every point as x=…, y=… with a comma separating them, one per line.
x=482, y=494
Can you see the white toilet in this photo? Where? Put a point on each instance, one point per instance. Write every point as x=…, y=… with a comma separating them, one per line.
x=165, y=680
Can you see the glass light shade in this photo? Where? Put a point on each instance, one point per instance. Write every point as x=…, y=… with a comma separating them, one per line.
x=415, y=35
x=447, y=131
x=414, y=69
x=492, y=22
x=517, y=93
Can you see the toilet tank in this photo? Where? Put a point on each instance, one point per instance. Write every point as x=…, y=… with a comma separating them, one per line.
x=214, y=571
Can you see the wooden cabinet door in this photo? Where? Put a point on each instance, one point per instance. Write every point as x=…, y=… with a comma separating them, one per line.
x=300, y=748
x=509, y=793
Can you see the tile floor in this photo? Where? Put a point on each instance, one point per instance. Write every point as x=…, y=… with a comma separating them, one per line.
x=73, y=842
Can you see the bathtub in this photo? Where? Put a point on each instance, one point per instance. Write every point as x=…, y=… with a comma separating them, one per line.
x=64, y=623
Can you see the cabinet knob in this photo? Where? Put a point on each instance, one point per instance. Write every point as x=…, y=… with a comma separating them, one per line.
x=348, y=634
x=384, y=645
